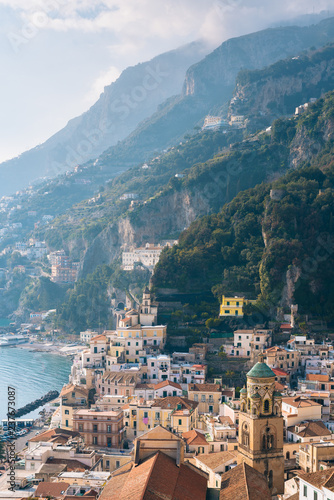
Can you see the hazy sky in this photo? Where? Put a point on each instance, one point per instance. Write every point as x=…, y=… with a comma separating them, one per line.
x=57, y=55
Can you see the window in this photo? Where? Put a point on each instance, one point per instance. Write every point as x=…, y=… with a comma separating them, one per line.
x=80, y=427
x=203, y=398
x=95, y=350
x=95, y=427
x=227, y=311
x=67, y=412
x=94, y=439
x=180, y=421
x=157, y=415
x=66, y=423
x=107, y=463
x=266, y=405
x=117, y=465
x=109, y=429
x=315, y=495
x=145, y=414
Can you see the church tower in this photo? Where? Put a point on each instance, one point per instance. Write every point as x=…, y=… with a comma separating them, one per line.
x=261, y=426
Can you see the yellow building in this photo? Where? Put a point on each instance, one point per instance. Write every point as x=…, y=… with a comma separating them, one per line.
x=208, y=397
x=72, y=398
x=233, y=306
x=173, y=412
x=261, y=426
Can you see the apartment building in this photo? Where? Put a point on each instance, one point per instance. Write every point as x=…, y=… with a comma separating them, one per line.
x=103, y=429
x=208, y=397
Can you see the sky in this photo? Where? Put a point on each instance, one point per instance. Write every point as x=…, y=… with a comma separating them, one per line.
x=57, y=55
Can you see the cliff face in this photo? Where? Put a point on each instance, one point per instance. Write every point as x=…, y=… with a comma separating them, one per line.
x=277, y=90
x=166, y=215
x=253, y=51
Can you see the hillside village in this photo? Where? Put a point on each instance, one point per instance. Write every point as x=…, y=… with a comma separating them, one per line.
x=131, y=412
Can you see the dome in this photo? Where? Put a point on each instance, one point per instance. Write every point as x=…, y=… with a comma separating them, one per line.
x=243, y=390
x=261, y=370
x=277, y=394
x=256, y=396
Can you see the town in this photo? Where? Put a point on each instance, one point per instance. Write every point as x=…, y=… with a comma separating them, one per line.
x=131, y=413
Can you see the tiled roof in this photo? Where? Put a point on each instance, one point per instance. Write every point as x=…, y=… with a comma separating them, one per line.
x=313, y=428
x=317, y=377
x=55, y=490
x=157, y=477
x=194, y=437
x=72, y=465
x=320, y=478
x=50, y=434
x=120, y=378
x=261, y=370
x=165, y=383
x=214, y=460
x=172, y=402
x=73, y=388
x=204, y=388
x=145, y=386
x=279, y=387
x=226, y=420
x=280, y=373
x=99, y=337
x=299, y=402
x=244, y=483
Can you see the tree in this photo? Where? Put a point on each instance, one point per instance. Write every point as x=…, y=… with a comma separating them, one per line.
x=222, y=354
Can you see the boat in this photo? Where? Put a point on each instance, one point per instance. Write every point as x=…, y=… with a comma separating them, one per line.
x=13, y=340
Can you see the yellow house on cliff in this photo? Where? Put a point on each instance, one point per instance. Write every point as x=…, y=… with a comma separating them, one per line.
x=233, y=306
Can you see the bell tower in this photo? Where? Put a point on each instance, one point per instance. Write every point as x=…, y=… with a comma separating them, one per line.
x=261, y=426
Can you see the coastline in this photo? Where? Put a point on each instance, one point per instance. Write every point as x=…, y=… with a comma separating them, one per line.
x=51, y=348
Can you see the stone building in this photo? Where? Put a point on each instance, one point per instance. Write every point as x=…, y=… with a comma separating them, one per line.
x=261, y=426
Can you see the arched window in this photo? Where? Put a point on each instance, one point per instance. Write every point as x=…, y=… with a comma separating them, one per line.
x=288, y=455
x=248, y=404
x=266, y=405
x=270, y=479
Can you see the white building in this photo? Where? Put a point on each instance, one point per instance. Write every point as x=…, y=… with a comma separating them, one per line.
x=148, y=256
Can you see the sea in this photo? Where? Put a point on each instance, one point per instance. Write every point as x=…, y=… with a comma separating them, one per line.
x=32, y=374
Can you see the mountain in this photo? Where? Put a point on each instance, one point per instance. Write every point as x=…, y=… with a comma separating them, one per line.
x=275, y=91
x=209, y=86
x=275, y=241
x=134, y=96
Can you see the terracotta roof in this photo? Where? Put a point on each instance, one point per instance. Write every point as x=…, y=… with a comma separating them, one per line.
x=312, y=428
x=48, y=489
x=172, y=402
x=144, y=386
x=99, y=337
x=227, y=393
x=286, y=326
x=194, y=437
x=226, y=420
x=317, y=377
x=279, y=387
x=73, y=388
x=275, y=349
x=279, y=372
x=214, y=460
x=299, y=402
x=204, y=388
x=294, y=497
x=51, y=434
x=165, y=383
x=120, y=378
x=156, y=477
x=71, y=465
x=244, y=483
x=320, y=478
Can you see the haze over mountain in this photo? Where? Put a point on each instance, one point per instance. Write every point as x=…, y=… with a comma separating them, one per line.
x=133, y=97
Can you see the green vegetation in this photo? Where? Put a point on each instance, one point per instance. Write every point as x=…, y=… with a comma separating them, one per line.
x=226, y=251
